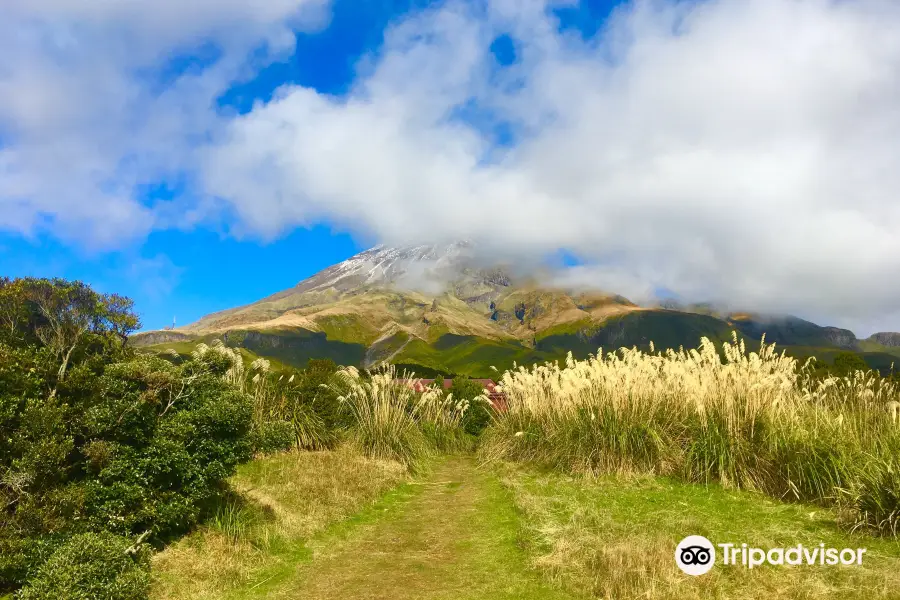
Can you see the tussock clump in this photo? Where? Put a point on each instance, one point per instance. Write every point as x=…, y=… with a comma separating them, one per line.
x=746, y=420
x=391, y=420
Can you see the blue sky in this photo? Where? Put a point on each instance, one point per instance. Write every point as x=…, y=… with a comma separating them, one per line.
x=198, y=156
x=184, y=275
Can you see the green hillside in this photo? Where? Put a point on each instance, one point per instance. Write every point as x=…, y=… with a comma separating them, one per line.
x=665, y=328
x=472, y=355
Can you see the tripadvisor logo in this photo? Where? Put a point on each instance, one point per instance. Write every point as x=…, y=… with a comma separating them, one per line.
x=696, y=555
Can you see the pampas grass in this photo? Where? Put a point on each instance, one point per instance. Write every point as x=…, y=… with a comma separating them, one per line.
x=754, y=420
x=391, y=420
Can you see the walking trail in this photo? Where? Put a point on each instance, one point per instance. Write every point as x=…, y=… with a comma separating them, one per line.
x=451, y=536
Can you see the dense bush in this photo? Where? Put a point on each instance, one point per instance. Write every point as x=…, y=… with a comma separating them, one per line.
x=273, y=436
x=96, y=438
x=478, y=413
x=313, y=392
x=92, y=566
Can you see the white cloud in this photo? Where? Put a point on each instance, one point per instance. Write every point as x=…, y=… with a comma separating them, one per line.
x=732, y=151
x=85, y=113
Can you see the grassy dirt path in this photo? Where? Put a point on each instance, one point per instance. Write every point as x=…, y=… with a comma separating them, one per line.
x=452, y=535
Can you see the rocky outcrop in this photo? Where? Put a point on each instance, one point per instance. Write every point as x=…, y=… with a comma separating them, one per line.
x=151, y=338
x=886, y=338
x=843, y=338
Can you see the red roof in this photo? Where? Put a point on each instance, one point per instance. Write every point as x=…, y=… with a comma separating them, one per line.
x=498, y=399
x=421, y=384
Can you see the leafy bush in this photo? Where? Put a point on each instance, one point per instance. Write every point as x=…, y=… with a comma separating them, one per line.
x=92, y=566
x=478, y=413
x=21, y=557
x=313, y=391
x=97, y=438
x=273, y=436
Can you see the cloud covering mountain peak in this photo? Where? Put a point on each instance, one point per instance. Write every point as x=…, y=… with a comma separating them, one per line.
x=728, y=151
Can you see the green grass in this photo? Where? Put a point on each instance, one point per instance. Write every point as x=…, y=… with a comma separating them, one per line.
x=349, y=328
x=615, y=538
x=281, y=571
x=279, y=503
x=460, y=531
x=452, y=534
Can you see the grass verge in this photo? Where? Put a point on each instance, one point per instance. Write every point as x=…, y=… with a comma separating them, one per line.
x=614, y=537
x=277, y=503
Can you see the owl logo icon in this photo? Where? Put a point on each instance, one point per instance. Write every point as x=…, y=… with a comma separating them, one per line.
x=695, y=555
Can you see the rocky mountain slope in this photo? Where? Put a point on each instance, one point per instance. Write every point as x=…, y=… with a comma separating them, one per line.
x=888, y=339
x=447, y=309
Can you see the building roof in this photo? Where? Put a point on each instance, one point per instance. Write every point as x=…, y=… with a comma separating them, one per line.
x=421, y=384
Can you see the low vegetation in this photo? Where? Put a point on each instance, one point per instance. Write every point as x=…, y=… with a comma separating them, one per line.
x=753, y=421
x=227, y=474
x=277, y=504
x=390, y=419
x=101, y=448
x=612, y=537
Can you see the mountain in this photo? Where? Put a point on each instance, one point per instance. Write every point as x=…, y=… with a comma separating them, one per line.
x=789, y=330
x=888, y=339
x=443, y=308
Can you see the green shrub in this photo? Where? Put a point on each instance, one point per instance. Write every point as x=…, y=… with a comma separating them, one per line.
x=478, y=413
x=91, y=566
x=314, y=392
x=477, y=417
x=20, y=557
x=95, y=437
x=273, y=436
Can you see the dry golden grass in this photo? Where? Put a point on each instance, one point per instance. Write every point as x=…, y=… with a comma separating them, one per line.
x=753, y=420
x=392, y=420
x=284, y=499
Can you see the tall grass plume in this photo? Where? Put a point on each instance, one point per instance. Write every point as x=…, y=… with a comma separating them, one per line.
x=756, y=420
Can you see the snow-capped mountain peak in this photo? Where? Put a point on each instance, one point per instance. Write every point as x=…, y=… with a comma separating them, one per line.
x=383, y=265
